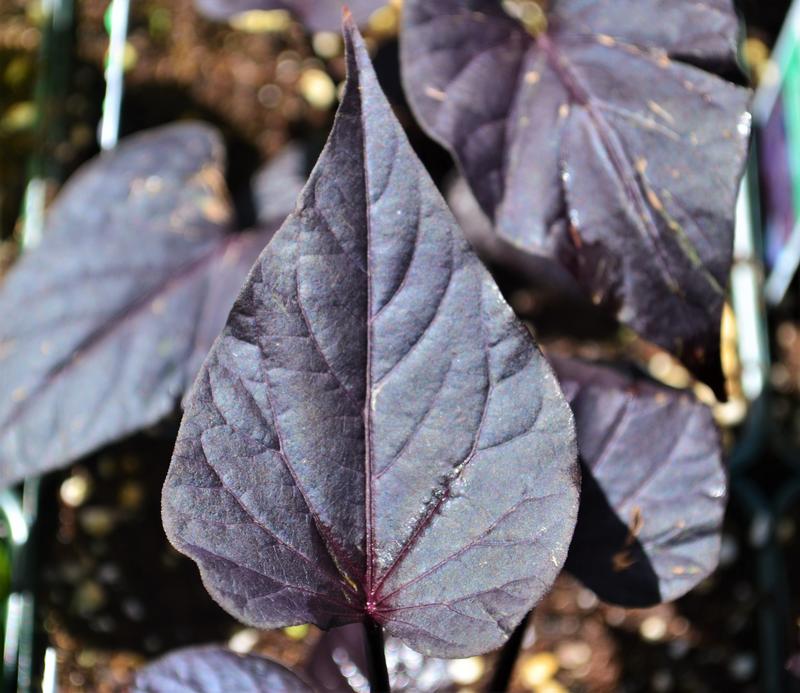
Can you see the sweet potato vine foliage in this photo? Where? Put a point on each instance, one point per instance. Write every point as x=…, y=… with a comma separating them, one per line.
x=210, y=669
x=105, y=324
x=374, y=435
x=653, y=486
x=594, y=132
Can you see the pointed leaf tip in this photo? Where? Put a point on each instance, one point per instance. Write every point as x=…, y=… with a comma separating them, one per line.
x=355, y=48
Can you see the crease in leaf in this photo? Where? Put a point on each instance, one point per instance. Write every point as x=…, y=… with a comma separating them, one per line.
x=600, y=138
x=653, y=486
x=355, y=446
x=107, y=322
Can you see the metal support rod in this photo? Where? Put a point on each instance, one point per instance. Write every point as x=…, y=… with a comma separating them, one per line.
x=746, y=291
x=115, y=75
x=18, y=509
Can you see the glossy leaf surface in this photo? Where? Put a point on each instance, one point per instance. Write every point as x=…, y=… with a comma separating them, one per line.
x=375, y=434
x=654, y=487
x=317, y=15
x=216, y=670
x=106, y=323
x=599, y=143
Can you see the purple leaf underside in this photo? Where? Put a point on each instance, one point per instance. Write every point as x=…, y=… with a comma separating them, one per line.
x=374, y=434
x=317, y=15
x=654, y=487
x=107, y=322
x=602, y=144
x=210, y=669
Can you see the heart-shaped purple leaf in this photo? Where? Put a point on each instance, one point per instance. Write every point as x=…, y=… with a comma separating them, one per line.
x=211, y=669
x=592, y=135
x=317, y=15
x=375, y=435
x=654, y=487
x=107, y=322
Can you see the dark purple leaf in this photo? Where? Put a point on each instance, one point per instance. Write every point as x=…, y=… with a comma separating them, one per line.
x=317, y=15
x=107, y=322
x=375, y=434
x=654, y=488
x=277, y=185
x=541, y=274
x=212, y=669
x=599, y=143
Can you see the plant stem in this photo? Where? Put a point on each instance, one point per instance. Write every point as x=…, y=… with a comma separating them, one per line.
x=507, y=660
x=376, y=658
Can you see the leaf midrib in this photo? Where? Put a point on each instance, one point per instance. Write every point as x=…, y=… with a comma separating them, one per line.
x=580, y=95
